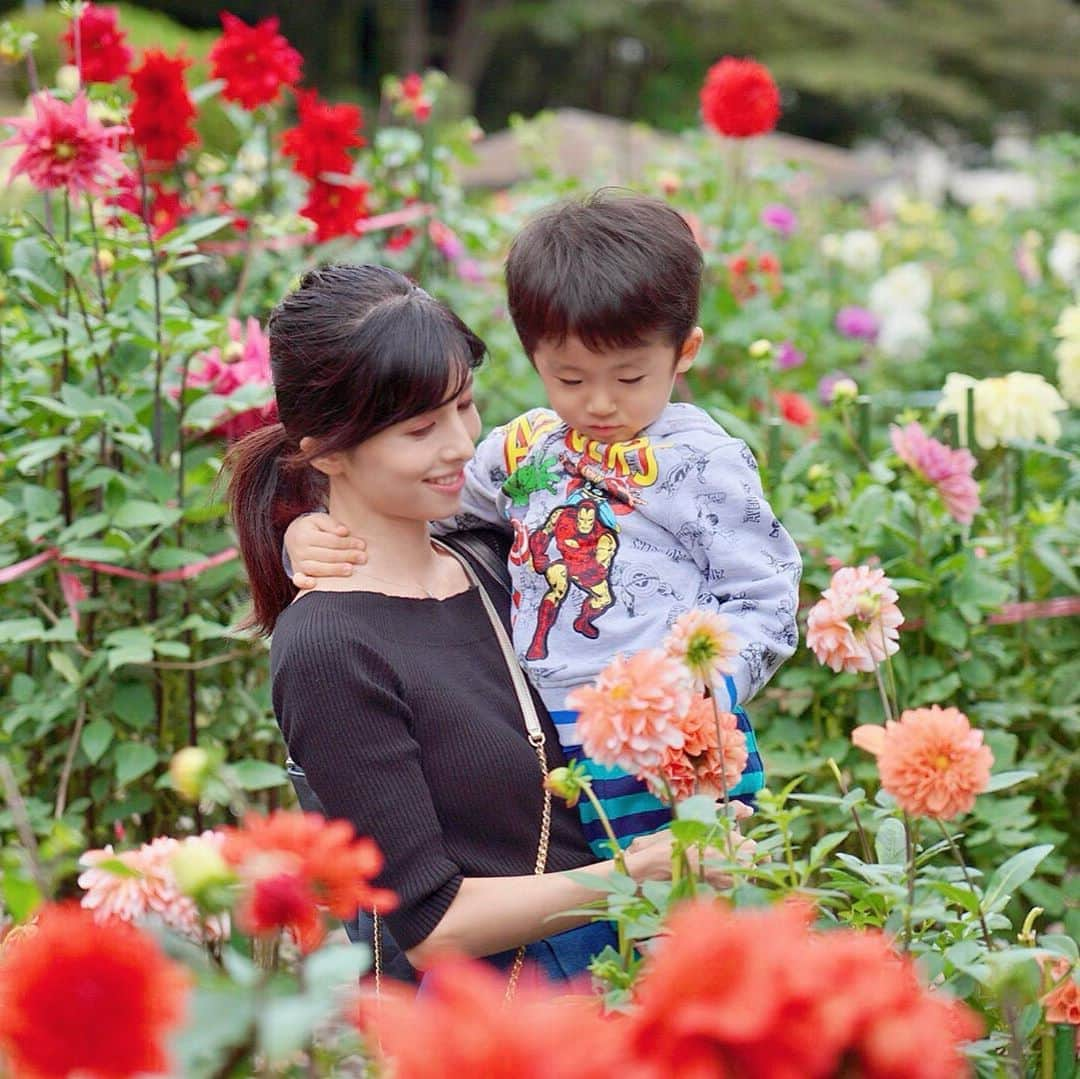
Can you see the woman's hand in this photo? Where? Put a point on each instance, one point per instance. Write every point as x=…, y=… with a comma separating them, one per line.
x=649, y=857
x=318, y=546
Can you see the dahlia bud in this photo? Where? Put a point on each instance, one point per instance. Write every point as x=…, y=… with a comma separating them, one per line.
x=761, y=349
x=845, y=390
x=567, y=783
x=104, y=260
x=669, y=182
x=67, y=79
x=242, y=189
x=199, y=871
x=867, y=607
x=189, y=770
x=818, y=473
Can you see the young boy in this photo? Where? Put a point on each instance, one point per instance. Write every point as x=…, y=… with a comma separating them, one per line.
x=626, y=510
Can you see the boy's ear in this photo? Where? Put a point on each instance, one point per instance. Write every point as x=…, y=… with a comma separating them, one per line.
x=688, y=350
x=329, y=464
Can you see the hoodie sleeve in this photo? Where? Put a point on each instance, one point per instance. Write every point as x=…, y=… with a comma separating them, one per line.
x=751, y=566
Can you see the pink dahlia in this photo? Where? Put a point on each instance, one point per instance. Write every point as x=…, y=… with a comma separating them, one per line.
x=246, y=362
x=855, y=624
x=631, y=716
x=136, y=885
x=64, y=146
x=931, y=760
x=948, y=470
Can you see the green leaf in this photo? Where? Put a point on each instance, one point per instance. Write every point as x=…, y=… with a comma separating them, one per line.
x=96, y=737
x=890, y=843
x=19, y=630
x=1011, y=874
x=1003, y=780
x=1056, y=565
x=1060, y=944
x=133, y=759
x=702, y=807
x=335, y=966
x=220, y=1017
x=21, y=895
x=129, y=646
x=43, y=449
x=141, y=514
x=286, y=1024
x=253, y=775
x=62, y=663
x=947, y=627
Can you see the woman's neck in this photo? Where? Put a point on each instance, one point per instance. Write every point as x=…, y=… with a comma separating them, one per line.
x=400, y=555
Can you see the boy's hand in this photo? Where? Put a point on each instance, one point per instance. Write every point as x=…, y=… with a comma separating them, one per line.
x=320, y=547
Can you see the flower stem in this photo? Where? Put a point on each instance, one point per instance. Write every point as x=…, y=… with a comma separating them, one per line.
x=719, y=745
x=886, y=706
x=863, y=840
x=617, y=851
x=987, y=939
x=909, y=848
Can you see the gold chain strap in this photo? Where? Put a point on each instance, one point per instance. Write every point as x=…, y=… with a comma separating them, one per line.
x=541, y=855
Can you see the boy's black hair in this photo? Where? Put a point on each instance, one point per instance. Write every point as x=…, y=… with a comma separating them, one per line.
x=614, y=270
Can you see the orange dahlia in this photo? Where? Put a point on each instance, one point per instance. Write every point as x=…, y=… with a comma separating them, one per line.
x=711, y=759
x=462, y=1025
x=291, y=864
x=630, y=717
x=704, y=642
x=1062, y=1003
x=759, y=993
x=81, y=998
x=931, y=760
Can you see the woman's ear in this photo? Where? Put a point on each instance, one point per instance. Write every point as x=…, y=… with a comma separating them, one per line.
x=329, y=464
x=688, y=350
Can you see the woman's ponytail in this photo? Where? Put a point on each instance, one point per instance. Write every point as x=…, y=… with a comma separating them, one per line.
x=268, y=487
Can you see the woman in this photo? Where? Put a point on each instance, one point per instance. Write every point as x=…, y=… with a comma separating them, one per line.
x=390, y=686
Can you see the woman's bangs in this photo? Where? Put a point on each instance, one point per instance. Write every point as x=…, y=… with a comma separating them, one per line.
x=420, y=358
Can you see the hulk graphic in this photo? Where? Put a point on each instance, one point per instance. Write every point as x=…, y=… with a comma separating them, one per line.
x=528, y=479
x=586, y=547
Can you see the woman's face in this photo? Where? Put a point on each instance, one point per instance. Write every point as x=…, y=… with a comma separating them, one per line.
x=412, y=470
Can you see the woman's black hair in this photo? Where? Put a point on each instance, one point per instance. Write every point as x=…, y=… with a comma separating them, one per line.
x=353, y=350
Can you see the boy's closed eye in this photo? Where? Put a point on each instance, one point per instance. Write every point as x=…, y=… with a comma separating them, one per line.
x=632, y=381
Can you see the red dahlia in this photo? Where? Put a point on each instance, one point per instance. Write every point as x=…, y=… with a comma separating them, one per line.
x=79, y=998
x=321, y=141
x=794, y=408
x=739, y=98
x=165, y=210
x=102, y=54
x=163, y=110
x=255, y=61
x=294, y=863
x=335, y=208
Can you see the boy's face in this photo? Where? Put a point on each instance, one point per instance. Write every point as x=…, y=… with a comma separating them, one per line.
x=613, y=395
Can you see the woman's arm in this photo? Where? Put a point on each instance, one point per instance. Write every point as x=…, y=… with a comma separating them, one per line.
x=494, y=914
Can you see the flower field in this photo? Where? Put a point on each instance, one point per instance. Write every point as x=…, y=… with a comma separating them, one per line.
x=903, y=901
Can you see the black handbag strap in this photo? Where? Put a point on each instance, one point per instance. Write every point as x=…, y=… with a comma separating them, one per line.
x=478, y=551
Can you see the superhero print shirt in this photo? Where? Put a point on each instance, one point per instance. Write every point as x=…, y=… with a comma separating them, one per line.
x=613, y=542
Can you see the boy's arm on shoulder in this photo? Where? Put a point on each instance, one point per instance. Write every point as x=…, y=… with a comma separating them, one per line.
x=718, y=512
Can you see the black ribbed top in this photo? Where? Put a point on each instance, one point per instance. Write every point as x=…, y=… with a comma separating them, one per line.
x=402, y=714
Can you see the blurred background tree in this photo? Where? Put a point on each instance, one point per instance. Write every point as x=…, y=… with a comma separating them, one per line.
x=849, y=68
